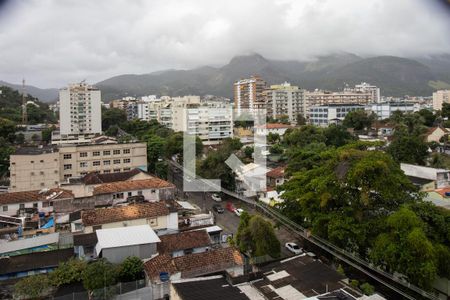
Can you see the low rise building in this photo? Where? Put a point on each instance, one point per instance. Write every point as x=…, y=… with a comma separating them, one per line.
x=160, y=216
x=433, y=177
x=116, y=244
x=39, y=200
x=274, y=128
x=435, y=134
x=37, y=168
x=324, y=115
x=184, y=243
x=384, y=110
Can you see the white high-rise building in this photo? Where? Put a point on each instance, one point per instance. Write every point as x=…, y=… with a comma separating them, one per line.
x=80, y=110
x=285, y=100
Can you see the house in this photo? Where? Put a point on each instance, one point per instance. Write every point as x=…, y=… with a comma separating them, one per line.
x=206, y=288
x=276, y=177
x=435, y=134
x=250, y=178
x=153, y=189
x=84, y=245
x=273, y=128
x=270, y=196
x=37, y=200
x=116, y=244
x=163, y=268
x=14, y=267
x=427, y=178
x=84, y=186
x=161, y=216
x=184, y=243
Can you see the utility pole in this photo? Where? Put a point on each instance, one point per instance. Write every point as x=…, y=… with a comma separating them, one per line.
x=24, y=105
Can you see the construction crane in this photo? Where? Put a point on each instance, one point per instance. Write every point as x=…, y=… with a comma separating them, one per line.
x=24, y=105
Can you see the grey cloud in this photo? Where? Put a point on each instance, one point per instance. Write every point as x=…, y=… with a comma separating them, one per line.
x=53, y=42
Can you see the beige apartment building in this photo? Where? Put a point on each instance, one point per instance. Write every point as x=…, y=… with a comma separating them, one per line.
x=319, y=97
x=38, y=168
x=285, y=100
x=249, y=94
x=439, y=98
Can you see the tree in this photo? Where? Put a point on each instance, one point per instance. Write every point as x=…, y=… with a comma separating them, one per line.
x=112, y=116
x=5, y=152
x=98, y=275
x=305, y=135
x=301, y=120
x=68, y=272
x=367, y=289
x=445, y=111
x=272, y=138
x=359, y=119
x=257, y=237
x=20, y=138
x=248, y=151
x=346, y=195
x=404, y=248
x=47, y=134
x=337, y=136
x=276, y=149
x=32, y=287
x=131, y=269
x=155, y=151
x=428, y=116
x=7, y=128
x=408, y=149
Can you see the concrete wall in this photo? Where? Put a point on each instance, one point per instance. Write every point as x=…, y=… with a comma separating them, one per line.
x=69, y=205
x=118, y=254
x=11, y=209
x=155, y=223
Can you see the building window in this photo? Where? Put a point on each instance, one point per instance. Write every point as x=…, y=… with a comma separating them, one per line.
x=96, y=153
x=126, y=169
x=83, y=154
x=116, y=170
x=153, y=222
x=35, y=205
x=83, y=164
x=32, y=161
x=21, y=206
x=42, y=160
x=42, y=184
x=116, y=152
x=106, y=162
x=5, y=207
x=67, y=176
x=106, y=171
x=67, y=156
x=126, y=151
x=106, y=152
x=139, y=193
x=96, y=163
x=68, y=167
x=41, y=172
x=129, y=194
x=116, y=161
x=126, y=161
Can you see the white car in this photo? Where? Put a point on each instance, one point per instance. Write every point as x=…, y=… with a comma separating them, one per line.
x=216, y=197
x=238, y=211
x=294, y=248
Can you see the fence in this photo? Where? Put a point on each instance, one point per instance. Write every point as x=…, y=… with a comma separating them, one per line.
x=121, y=290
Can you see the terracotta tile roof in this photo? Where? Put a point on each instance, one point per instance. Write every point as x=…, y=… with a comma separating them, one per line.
x=184, y=240
x=122, y=186
x=277, y=172
x=195, y=264
x=122, y=213
x=96, y=178
x=275, y=126
x=33, y=196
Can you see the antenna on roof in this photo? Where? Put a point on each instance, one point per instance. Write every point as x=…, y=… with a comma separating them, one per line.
x=24, y=105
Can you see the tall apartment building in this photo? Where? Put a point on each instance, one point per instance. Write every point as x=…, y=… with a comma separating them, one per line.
x=249, y=94
x=365, y=88
x=285, y=100
x=319, y=97
x=37, y=168
x=80, y=110
x=439, y=98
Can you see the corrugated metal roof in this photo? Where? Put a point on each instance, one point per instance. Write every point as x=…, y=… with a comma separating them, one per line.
x=125, y=236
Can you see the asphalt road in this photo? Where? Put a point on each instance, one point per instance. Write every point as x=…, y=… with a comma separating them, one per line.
x=228, y=220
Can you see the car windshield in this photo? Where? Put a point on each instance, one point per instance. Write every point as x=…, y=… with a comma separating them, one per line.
x=295, y=247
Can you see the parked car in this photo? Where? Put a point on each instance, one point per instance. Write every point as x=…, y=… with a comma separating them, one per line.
x=218, y=208
x=230, y=206
x=238, y=211
x=216, y=197
x=312, y=255
x=293, y=247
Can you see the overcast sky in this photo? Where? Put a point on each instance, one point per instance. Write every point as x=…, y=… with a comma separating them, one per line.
x=53, y=42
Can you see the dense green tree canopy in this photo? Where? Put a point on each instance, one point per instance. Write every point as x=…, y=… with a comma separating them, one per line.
x=131, y=269
x=112, y=116
x=68, y=272
x=359, y=120
x=99, y=274
x=32, y=287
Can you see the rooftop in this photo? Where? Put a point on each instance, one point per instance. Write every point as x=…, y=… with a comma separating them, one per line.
x=299, y=277
x=27, y=243
x=122, y=186
x=34, y=150
x=275, y=126
x=277, y=172
x=123, y=213
x=195, y=264
x=96, y=178
x=206, y=288
x=184, y=240
x=421, y=171
x=125, y=236
x=85, y=239
x=34, y=261
x=33, y=196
